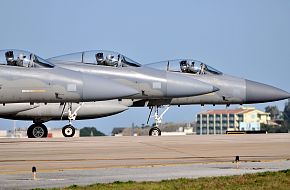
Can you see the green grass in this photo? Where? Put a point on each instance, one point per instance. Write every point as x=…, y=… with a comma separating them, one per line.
x=265, y=180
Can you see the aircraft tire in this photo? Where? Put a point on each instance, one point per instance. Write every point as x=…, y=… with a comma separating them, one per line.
x=37, y=130
x=68, y=131
x=155, y=131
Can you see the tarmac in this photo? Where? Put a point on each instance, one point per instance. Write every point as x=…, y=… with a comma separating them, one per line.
x=62, y=162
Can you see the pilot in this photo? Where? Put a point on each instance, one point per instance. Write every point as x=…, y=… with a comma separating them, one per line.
x=202, y=68
x=20, y=59
x=120, y=60
x=10, y=58
x=110, y=60
x=183, y=66
x=191, y=68
x=100, y=58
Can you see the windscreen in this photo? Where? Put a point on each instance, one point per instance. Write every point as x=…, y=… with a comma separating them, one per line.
x=185, y=66
x=19, y=58
x=97, y=57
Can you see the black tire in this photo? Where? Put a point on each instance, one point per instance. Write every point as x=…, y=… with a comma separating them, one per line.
x=68, y=131
x=37, y=130
x=155, y=131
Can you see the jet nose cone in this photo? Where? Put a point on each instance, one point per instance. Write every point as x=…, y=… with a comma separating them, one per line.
x=259, y=92
x=182, y=86
x=97, y=88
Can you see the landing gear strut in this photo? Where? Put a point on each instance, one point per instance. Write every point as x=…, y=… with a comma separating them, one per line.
x=37, y=130
x=155, y=131
x=69, y=130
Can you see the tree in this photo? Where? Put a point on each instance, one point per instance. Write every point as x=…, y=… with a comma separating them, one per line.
x=274, y=112
x=286, y=114
x=90, y=131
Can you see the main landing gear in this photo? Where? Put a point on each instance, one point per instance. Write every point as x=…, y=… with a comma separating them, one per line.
x=39, y=130
x=155, y=131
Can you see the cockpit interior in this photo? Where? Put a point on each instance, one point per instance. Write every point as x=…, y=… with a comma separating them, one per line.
x=99, y=57
x=19, y=58
x=185, y=66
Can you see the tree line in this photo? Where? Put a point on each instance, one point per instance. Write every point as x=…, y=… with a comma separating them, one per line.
x=280, y=117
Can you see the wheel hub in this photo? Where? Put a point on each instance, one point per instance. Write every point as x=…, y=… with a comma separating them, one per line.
x=68, y=131
x=155, y=132
x=38, y=132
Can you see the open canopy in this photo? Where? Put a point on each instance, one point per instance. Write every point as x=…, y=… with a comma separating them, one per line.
x=20, y=58
x=185, y=66
x=97, y=57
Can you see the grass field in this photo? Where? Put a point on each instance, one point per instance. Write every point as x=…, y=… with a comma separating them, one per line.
x=265, y=180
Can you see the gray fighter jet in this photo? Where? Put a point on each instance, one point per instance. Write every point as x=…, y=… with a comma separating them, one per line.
x=232, y=90
x=28, y=78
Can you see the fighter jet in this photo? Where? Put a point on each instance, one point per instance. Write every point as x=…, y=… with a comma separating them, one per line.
x=28, y=78
x=232, y=90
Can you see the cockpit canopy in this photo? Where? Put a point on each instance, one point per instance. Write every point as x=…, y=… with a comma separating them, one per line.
x=185, y=66
x=98, y=57
x=20, y=58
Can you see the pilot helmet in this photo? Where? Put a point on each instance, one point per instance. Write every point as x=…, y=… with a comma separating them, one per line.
x=110, y=57
x=183, y=65
x=21, y=56
x=100, y=56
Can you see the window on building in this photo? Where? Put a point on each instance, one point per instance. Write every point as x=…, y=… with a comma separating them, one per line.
x=210, y=117
x=198, y=117
x=240, y=117
x=204, y=131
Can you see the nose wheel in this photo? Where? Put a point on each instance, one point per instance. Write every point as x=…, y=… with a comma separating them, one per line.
x=68, y=131
x=155, y=131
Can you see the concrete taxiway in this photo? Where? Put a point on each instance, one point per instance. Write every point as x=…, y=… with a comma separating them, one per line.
x=65, y=161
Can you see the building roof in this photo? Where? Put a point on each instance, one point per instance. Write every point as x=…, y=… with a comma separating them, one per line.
x=241, y=110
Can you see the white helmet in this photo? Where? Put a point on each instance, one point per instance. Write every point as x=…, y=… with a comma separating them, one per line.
x=21, y=56
x=110, y=57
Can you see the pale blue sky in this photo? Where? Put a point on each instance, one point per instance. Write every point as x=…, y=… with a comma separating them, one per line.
x=248, y=38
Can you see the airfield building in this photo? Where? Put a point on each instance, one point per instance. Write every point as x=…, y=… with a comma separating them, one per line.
x=220, y=121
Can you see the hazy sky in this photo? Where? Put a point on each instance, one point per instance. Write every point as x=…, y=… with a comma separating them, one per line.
x=249, y=39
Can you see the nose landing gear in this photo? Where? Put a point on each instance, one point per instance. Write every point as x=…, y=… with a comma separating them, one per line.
x=155, y=131
x=69, y=130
